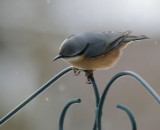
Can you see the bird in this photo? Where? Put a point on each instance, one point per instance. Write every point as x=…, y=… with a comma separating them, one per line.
x=90, y=51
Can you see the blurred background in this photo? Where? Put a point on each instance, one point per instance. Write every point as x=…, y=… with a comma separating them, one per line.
x=31, y=32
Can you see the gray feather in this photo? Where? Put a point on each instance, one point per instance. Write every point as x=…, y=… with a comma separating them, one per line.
x=95, y=44
x=134, y=38
x=102, y=43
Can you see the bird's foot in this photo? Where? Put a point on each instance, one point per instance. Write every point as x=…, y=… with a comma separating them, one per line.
x=76, y=71
x=87, y=74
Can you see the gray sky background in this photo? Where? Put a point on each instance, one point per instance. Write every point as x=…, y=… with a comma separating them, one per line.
x=31, y=32
x=58, y=16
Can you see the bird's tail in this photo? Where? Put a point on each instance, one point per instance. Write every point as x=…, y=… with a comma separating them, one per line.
x=134, y=38
x=127, y=38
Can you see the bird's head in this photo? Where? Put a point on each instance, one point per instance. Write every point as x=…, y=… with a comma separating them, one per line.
x=71, y=47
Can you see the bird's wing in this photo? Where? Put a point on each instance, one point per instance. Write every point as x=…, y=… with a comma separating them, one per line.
x=101, y=43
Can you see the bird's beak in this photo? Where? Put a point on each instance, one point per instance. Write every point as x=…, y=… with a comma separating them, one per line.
x=57, y=57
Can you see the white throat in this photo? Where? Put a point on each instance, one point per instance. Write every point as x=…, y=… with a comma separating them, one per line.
x=72, y=58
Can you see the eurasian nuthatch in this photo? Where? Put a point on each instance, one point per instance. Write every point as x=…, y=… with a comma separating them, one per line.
x=95, y=50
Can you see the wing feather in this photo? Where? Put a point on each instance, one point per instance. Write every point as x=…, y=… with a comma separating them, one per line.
x=103, y=43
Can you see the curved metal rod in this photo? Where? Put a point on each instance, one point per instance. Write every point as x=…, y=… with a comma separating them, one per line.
x=35, y=94
x=132, y=74
x=96, y=92
x=129, y=113
x=97, y=97
x=61, y=120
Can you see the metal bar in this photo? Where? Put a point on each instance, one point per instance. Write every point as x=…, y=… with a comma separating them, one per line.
x=130, y=115
x=129, y=73
x=61, y=120
x=35, y=94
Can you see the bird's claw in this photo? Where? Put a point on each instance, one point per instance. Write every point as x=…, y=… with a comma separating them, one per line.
x=76, y=71
x=87, y=74
x=88, y=81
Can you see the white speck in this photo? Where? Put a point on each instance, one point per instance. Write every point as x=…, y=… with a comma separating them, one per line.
x=48, y=1
x=16, y=73
x=62, y=88
x=155, y=42
x=108, y=125
x=47, y=99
